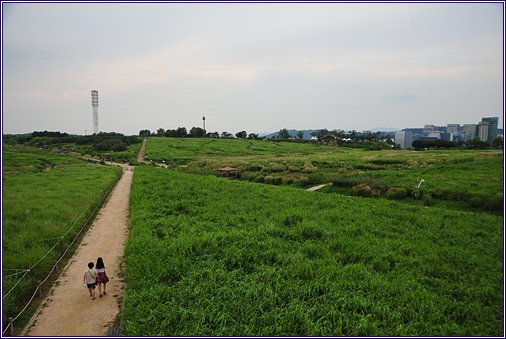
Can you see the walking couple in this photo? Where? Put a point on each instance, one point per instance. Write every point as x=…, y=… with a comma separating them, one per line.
x=93, y=277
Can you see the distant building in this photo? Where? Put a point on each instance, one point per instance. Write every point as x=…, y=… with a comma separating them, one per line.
x=453, y=128
x=468, y=130
x=427, y=129
x=329, y=139
x=404, y=138
x=446, y=136
x=436, y=135
x=487, y=129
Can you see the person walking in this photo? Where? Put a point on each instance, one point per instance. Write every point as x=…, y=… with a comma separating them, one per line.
x=89, y=279
x=101, y=276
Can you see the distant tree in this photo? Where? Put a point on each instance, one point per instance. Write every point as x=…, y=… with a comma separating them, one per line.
x=283, y=134
x=352, y=135
x=300, y=134
x=181, y=132
x=213, y=135
x=252, y=136
x=160, y=132
x=497, y=142
x=10, y=141
x=145, y=133
x=119, y=147
x=474, y=143
x=196, y=132
x=171, y=133
x=226, y=135
x=241, y=135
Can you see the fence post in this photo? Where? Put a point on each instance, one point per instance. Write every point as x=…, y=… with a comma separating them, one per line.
x=56, y=265
x=11, y=322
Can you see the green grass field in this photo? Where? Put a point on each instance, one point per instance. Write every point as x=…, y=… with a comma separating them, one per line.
x=214, y=257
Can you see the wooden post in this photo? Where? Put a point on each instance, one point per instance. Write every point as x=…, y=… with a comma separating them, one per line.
x=56, y=265
x=11, y=322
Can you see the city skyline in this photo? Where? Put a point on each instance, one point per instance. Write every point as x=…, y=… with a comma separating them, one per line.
x=258, y=67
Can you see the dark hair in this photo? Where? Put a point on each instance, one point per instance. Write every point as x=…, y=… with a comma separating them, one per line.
x=100, y=263
x=90, y=265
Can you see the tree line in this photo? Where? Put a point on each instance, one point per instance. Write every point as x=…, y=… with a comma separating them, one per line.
x=195, y=132
x=103, y=141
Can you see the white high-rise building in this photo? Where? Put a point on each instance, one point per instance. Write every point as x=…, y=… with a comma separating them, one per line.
x=94, y=104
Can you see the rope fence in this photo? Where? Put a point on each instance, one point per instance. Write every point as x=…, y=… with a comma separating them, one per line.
x=54, y=268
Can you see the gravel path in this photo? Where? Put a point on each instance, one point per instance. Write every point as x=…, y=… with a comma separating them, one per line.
x=69, y=311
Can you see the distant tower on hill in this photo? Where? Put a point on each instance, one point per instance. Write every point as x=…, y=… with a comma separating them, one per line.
x=204, y=120
x=94, y=103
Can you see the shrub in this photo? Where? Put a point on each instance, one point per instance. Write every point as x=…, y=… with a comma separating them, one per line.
x=309, y=168
x=293, y=169
x=260, y=178
x=427, y=200
x=289, y=181
x=303, y=181
x=396, y=193
x=362, y=190
x=279, y=168
x=254, y=168
x=278, y=181
x=268, y=180
x=252, y=176
x=316, y=178
x=266, y=170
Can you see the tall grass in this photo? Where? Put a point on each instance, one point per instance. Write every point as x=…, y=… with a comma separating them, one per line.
x=213, y=257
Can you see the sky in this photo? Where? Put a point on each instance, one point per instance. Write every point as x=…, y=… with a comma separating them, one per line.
x=254, y=67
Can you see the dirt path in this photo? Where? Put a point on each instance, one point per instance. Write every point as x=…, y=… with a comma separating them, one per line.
x=143, y=148
x=70, y=310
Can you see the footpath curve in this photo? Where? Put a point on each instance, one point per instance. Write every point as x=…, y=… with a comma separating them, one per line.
x=69, y=310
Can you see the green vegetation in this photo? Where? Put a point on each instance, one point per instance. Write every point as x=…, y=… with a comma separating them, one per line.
x=125, y=148
x=181, y=151
x=43, y=211
x=464, y=178
x=215, y=257
x=20, y=159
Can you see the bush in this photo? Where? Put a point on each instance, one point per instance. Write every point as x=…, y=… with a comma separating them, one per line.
x=254, y=168
x=293, y=169
x=304, y=181
x=266, y=170
x=316, y=178
x=362, y=190
x=279, y=168
x=260, y=179
x=289, y=181
x=427, y=200
x=396, y=193
x=278, y=181
x=268, y=180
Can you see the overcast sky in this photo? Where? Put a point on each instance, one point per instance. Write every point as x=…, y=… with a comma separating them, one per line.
x=257, y=67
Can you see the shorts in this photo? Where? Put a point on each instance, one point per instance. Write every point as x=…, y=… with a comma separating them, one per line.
x=92, y=286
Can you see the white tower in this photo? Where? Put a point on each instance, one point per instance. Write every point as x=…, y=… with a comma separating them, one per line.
x=94, y=103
